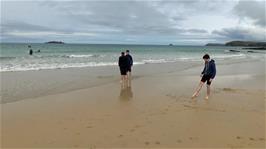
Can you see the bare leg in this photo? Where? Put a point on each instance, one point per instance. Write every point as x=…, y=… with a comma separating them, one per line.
x=129, y=75
x=129, y=78
x=208, y=91
x=122, y=84
x=123, y=81
x=198, y=90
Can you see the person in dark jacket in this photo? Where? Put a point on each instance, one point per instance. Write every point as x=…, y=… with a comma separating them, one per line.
x=207, y=75
x=130, y=64
x=123, y=65
x=30, y=50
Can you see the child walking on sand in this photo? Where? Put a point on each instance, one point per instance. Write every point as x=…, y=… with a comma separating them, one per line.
x=208, y=74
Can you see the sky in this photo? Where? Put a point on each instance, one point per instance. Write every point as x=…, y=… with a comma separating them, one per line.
x=180, y=22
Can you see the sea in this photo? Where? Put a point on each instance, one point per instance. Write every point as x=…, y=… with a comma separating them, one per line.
x=15, y=56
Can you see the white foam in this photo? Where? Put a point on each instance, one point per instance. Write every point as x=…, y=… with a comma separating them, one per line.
x=155, y=61
x=80, y=56
x=226, y=56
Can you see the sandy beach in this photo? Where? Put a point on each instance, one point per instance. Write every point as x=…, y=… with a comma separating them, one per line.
x=63, y=64
x=155, y=112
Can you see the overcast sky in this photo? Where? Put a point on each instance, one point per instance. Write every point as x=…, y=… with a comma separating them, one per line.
x=183, y=22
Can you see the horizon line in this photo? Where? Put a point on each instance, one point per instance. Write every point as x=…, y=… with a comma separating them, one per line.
x=106, y=43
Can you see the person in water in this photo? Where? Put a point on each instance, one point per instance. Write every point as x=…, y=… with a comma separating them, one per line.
x=130, y=64
x=208, y=74
x=30, y=50
x=123, y=65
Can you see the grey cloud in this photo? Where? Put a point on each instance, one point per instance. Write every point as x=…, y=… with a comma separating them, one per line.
x=197, y=31
x=254, y=10
x=116, y=21
x=240, y=34
x=8, y=26
x=130, y=17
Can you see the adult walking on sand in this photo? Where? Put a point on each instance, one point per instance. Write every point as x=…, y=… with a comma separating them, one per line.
x=130, y=64
x=123, y=65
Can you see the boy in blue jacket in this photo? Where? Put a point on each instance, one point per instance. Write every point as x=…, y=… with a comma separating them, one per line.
x=208, y=74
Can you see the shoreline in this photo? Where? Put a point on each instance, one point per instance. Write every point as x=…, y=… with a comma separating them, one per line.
x=31, y=84
x=46, y=82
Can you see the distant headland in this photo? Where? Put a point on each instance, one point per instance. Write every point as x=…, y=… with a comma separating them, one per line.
x=249, y=44
x=246, y=43
x=55, y=42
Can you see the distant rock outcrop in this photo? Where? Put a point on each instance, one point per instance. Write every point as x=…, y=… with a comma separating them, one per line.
x=256, y=48
x=246, y=43
x=55, y=42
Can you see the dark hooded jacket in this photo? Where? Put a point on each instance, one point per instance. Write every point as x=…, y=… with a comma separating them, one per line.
x=130, y=59
x=123, y=62
x=210, y=69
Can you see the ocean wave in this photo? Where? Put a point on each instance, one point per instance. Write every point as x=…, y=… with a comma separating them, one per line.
x=6, y=57
x=8, y=68
x=83, y=55
x=53, y=66
x=156, y=61
x=227, y=56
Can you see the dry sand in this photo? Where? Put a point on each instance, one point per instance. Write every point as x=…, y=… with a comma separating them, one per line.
x=156, y=112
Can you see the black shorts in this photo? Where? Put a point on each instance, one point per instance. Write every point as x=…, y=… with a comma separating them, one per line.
x=123, y=71
x=129, y=69
x=206, y=78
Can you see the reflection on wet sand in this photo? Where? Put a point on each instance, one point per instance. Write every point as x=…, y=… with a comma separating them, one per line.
x=126, y=92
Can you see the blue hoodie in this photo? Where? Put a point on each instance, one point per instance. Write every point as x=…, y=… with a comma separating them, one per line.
x=211, y=70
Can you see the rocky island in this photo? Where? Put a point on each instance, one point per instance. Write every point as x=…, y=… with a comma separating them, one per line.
x=55, y=42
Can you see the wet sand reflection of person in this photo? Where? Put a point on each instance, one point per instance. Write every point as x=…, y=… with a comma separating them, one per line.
x=126, y=93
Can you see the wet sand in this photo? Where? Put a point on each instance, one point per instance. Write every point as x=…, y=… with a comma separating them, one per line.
x=155, y=112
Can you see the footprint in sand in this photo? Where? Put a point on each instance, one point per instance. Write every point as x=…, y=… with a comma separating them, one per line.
x=230, y=90
x=89, y=127
x=157, y=142
x=238, y=137
x=120, y=136
x=193, y=138
x=179, y=141
x=252, y=139
x=261, y=139
x=147, y=143
x=138, y=126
